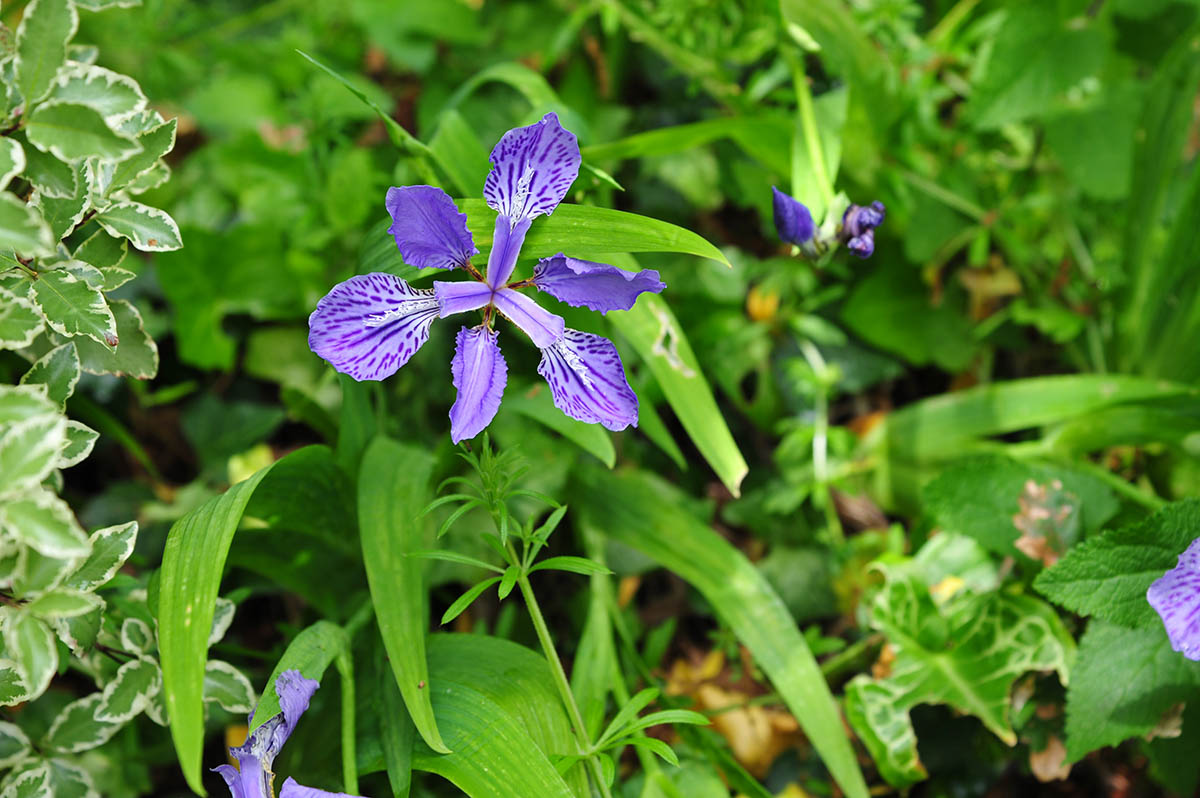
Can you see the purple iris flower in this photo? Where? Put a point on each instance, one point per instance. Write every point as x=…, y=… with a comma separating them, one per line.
x=858, y=227
x=794, y=223
x=370, y=325
x=253, y=778
x=1176, y=597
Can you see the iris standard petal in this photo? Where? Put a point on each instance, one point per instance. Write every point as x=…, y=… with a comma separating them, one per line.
x=542, y=326
x=370, y=325
x=293, y=790
x=480, y=375
x=506, y=248
x=793, y=220
x=460, y=297
x=1176, y=597
x=532, y=169
x=429, y=230
x=582, y=283
x=243, y=783
x=294, y=693
x=588, y=381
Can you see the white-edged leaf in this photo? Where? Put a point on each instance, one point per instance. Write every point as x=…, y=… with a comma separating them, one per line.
x=13, y=744
x=97, y=174
x=109, y=93
x=228, y=687
x=77, y=729
x=72, y=132
x=36, y=573
x=115, y=277
x=136, y=354
x=155, y=143
x=32, y=783
x=20, y=322
x=12, y=160
x=80, y=438
x=61, y=213
x=49, y=175
x=148, y=229
x=137, y=636
x=22, y=228
x=42, y=36
x=78, y=632
x=103, y=251
x=46, y=524
x=139, y=122
x=156, y=710
x=110, y=548
x=86, y=272
x=130, y=691
x=72, y=307
x=30, y=643
x=12, y=688
x=63, y=602
x=101, y=5
x=20, y=402
x=153, y=177
x=68, y=780
x=222, y=618
x=29, y=450
x=58, y=370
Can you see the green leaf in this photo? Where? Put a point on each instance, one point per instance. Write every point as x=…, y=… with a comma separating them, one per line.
x=1124, y=682
x=76, y=728
x=12, y=160
x=136, y=354
x=21, y=402
x=452, y=556
x=393, y=488
x=110, y=548
x=508, y=581
x=101, y=5
x=148, y=229
x=538, y=405
x=63, y=603
x=659, y=339
x=643, y=512
x=310, y=652
x=72, y=307
x=12, y=688
x=42, y=37
x=50, y=176
x=155, y=143
x=228, y=687
x=136, y=636
x=459, y=152
x=466, y=599
x=396, y=732
x=33, y=783
x=72, y=132
x=130, y=691
x=14, y=745
x=31, y=644
x=79, y=632
x=104, y=252
x=765, y=137
x=108, y=93
x=1108, y=576
x=22, y=228
x=58, y=370
x=29, y=450
x=62, y=213
x=20, y=322
x=46, y=524
x=576, y=565
x=80, y=438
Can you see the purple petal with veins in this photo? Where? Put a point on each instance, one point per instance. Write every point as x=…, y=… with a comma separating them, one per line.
x=429, y=231
x=582, y=283
x=370, y=325
x=1176, y=597
x=542, y=326
x=461, y=297
x=480, y=375
x=588, y=381
x=532, y=169
x=293, y=790
x=506, y=248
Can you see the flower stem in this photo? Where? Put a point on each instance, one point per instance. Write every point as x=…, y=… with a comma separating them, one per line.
x=806, y=120
x=821, y=439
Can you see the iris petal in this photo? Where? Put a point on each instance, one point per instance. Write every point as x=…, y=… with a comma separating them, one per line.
x=506, y=248
x=588, y=381
x=542, y=326
x=480, y=375
x=460, y=297
x=793, y=220
x=293, y=790
x=429, y=231
x=582, y=283
x=533, y=167
x=1176, y=597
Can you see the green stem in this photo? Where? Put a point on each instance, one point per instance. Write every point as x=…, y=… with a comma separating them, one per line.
x=807, y=120
x=821, y=439
x=945, y=196
x=345, y=666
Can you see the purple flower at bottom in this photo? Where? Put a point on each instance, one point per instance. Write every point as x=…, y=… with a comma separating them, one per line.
x=370, y=325
x=253, y=777
x=1176, y=597
x=794, y=223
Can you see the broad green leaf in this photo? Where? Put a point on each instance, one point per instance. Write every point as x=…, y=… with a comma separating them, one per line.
x=659, y=339
x=76, y=728
x=538, y=405
x=13, y=744
x=459, y=153
x=72, y=132
x=22, y=228
x=155, y=143
x=80, y=438
x=643, y=512
x=58, y=370
x=104, y=252
x=110, y=548
x=31, y=644
x=33, y=783
x=29, y=450
x=45, y=29
x=393, y=488
x=20, y=322
x=1123, y=683
x=50, y=176
x=12, y=688
x=576, y=565
x=72, y=307
x=63, y=603
x=228, y=687
x=310, y=652
x=148, y=229
x=318, y=501
x=129, y=692
x=18, y=403
x=62, y=213
x=79, y=632
x=136, y=354
x=766, y=138
x=12, y=160
x=69, y=780
x=396, y=731
x=108, y=93
x=46, y=524
x=1108, y=576
x=101, y=5
x=39, y=572
x=531, y=84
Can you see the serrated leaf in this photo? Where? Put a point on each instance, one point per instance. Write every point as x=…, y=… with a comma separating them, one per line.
x=1108, y=576
x=13, y=744
x=148, y=229
x=28, y=451
x=109, y=93
x=155, y=143
x=72, y=307
x=20, y=322
x=12, y=160
x=103, y=251
x=22, y=228
x=58, y=370
x=63, y=603
x=110, y=548
x=76, y=728
x=137, y=636
x=222, y=617
x=72, y=132
x=30, y=643
x=80, y=438
x=228, y=687
x=136, y=354
x=46, y=524
x=42, y=37
x=129, y=692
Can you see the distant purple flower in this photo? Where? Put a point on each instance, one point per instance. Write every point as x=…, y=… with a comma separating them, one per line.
x=858, y=227
x=794, y=223
x=253, y=777
x=1176, y=597
x=793, y=220
x=370, y=325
